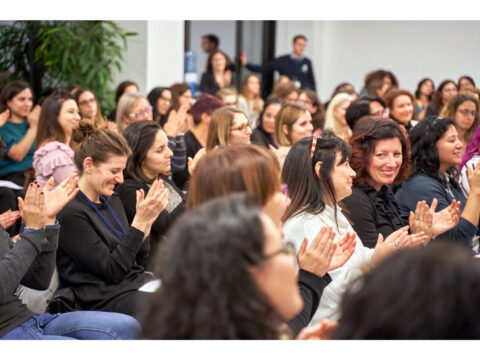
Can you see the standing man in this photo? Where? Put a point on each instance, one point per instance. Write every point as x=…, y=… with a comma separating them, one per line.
x=296, y=66
x=209, y=43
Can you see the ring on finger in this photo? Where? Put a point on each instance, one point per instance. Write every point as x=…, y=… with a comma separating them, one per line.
x=397, y=244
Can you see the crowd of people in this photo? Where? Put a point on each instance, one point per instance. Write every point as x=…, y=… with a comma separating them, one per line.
x=232, y=216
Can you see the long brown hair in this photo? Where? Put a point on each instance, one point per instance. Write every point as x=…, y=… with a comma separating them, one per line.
x=220, y=124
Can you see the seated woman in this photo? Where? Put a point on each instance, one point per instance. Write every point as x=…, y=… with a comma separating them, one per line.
x=244, y=287
x=400, y=104
x=436, y=313
x=463, y=109
x=380, y=157
x=19, y=131
x=100, y=256
x=469, y=161
x=217, y=75
x=465, y=81
x=310, y=100
x=293, y=122
x=445, y=91
x=249, y=100
x=132, y=107
x=253, y=169
x=122, y=88
x=318, y=176
x=89, y=107
x=436, y=151
x=264, y=133
x=335, y=120
x=228, y=125
x=149, y=161
x=54, y=154
x=423, y=97
x=161, y=100
x=31, y=261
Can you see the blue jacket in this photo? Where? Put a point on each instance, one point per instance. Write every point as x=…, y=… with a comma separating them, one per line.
x=422, y=187
x=300, y=69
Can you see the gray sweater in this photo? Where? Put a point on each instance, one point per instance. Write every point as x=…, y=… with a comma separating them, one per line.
x=29, y=262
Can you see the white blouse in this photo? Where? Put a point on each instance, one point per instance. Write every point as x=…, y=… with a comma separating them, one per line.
x=308, y=225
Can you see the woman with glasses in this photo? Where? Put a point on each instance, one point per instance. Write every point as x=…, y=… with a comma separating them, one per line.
x=89, y=107
x=149, y=161
x=161, y=100
x=122, y=88
x=436, y=152
x=463, y=110
x=380, y=158
x=254, y=169
x=132, y=107
x=318, y=175
x=445, y=91
x=228, y=125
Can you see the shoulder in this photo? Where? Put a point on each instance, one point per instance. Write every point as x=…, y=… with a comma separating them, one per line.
x=54, y=149
x=129, y=185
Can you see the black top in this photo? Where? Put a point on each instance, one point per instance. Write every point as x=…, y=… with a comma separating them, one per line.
x=260, y=137
x=311, y=289
x=373, y=212
x=175, y=207
x=29, y=262
x=208, y=84
x=99, y=267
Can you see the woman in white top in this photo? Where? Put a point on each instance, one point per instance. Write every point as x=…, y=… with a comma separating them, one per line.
x=318, y=175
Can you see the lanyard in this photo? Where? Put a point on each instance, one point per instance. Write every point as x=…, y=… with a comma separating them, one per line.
x=115, y=232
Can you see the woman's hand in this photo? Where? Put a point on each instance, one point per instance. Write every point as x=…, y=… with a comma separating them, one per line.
x=192, y=163
x=34, y=116
x=8, y=218
x=446, y=219
x=321, y=331
x=32, y=209
x=393, y=242
x=343, y=252
x=473, y=178
x=421, y=220
x=57, y=198
x=4, y=117
x=150, y=206
x=177, y=121
x=317, y=257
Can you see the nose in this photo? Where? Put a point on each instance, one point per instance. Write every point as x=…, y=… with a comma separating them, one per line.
x=169, y=152
x=119, y=178
x=391, y=161
x=249, y=130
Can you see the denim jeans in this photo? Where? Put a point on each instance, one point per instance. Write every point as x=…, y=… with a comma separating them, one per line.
x=81, y=325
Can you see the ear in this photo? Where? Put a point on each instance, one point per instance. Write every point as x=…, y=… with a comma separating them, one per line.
x=285, y=129
x=205, y=118
x=87, y=165
x=318, y=166
x=126, y=119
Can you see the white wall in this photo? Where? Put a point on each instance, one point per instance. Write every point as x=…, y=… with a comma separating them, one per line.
x=347, y=50
x=155, y=56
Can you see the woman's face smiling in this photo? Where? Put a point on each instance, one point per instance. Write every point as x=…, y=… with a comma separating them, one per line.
x=342, y=176
x=385, y=162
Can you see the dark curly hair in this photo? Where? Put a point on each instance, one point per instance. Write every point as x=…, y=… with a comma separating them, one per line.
x=367, y=133
x=306, y=190
x=423, y=138
x=438, y=297
x=207, y=290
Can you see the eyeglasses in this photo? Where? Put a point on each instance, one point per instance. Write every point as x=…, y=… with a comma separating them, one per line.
x=466, y=112
x=139, y=113
x=287, y=249
x=241, y=128
x=450, y=89
x=314, y=145
x=165, y=99
x=86, y=102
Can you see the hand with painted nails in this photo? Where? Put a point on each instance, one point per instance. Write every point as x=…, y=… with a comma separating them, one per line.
x=32, y=209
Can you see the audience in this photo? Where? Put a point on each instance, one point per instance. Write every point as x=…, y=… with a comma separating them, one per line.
x=89, y=107
x=445, y=91
x=228, y=125
x=401, y=109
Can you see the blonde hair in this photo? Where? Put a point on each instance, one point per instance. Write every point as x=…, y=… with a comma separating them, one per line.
x=220, y=124
x=226, y=91
x=126, y=103
x=330, y=122
x=255, y=98
x=288, y=115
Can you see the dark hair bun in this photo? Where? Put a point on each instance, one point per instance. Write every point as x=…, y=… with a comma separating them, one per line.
x=85, y=129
